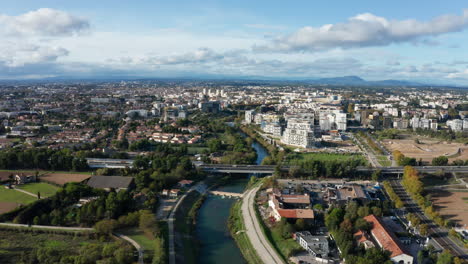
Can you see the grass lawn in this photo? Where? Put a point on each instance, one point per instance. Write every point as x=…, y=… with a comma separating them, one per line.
x=8, y=195
x=139, y=236
x=383, y=160
x=45, y=189
x=432, y=180
x=295, y=157
x=237, y=228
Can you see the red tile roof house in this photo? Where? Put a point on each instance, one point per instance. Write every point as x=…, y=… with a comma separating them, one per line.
x=277, y=201
x=185, y=183
x=387, y=240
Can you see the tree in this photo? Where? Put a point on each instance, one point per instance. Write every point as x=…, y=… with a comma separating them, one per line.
x=106, y=227
x=440, y=161
x=300, y=224
x=445, y=258
x=376, y=175
x=423, y=229
x=214, y=145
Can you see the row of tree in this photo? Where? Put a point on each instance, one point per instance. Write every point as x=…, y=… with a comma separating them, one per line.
x=41, y=158
x=343, y=222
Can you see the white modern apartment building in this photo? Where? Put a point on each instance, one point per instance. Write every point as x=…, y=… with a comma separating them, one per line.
x=273, y=128
x=332, y=121
x=457, y=125
x=249, y=116
x=424, y=123
x=299, y=133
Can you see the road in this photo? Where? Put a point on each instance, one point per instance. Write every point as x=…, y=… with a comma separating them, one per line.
x=253, y=230
x=135, y=244
x=439, y=234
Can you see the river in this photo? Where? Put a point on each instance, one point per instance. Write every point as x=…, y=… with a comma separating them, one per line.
x=216, y=244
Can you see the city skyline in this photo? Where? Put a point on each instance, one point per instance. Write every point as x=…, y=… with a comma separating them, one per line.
x=422, y=42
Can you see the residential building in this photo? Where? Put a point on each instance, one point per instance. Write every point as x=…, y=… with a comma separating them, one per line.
x=317, y=246
x=387, y=240
x=249, y=116
x=299, y=133
x=111, y=182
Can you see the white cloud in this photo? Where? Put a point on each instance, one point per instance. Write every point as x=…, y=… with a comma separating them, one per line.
x=366, y=30
x=43, y=22
x=458, y=75
x=20, y=55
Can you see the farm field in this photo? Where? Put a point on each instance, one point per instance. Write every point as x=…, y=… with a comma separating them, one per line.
x=45, y=189
x=451, y=205
x=427, y=149
x=55, y=177
x=65, y=177
x=10, y=199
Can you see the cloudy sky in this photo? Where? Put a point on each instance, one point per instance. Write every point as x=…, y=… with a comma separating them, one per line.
x=420, y=40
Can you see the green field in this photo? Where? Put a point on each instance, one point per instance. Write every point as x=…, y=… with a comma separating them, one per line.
x=139, y=236
x=18, y=247
x=293, y=158
x=45, y=189
x=383, y=160
x=9, y=195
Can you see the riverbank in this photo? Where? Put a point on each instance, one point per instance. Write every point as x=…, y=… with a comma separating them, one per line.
x=237, y=229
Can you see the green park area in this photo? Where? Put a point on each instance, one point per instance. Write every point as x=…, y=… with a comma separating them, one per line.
x=14, y=196
x=295, y=158
x=52, y=247
x=135, y=233
x=45, y=189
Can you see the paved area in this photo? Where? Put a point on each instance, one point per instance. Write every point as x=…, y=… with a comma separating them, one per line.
x=165, y=208
x=26, y=192
x=135, y=244
x=253, y=230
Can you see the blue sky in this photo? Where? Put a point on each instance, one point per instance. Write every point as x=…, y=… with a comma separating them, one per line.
x=410, y=40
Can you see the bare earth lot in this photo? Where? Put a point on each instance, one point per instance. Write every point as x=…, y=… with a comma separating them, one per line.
x=427, y=149
x=7, y=206
x=451, y=205
x=62, y=178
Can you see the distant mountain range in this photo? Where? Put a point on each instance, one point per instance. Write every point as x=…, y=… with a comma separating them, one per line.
x=339, y=81
x=356, y=80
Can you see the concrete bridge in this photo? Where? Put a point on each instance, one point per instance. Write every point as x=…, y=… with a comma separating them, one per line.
x=227, y=194
x=228, y=168
x=268, y=169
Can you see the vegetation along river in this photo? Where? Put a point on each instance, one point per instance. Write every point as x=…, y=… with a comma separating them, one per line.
x=217, y=246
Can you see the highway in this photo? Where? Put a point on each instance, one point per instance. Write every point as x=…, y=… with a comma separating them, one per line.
x=439, y=234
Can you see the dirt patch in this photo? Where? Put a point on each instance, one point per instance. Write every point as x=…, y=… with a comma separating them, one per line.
x=451, y=205
x=7, y=207
x=427, y=149
x=62, y=178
